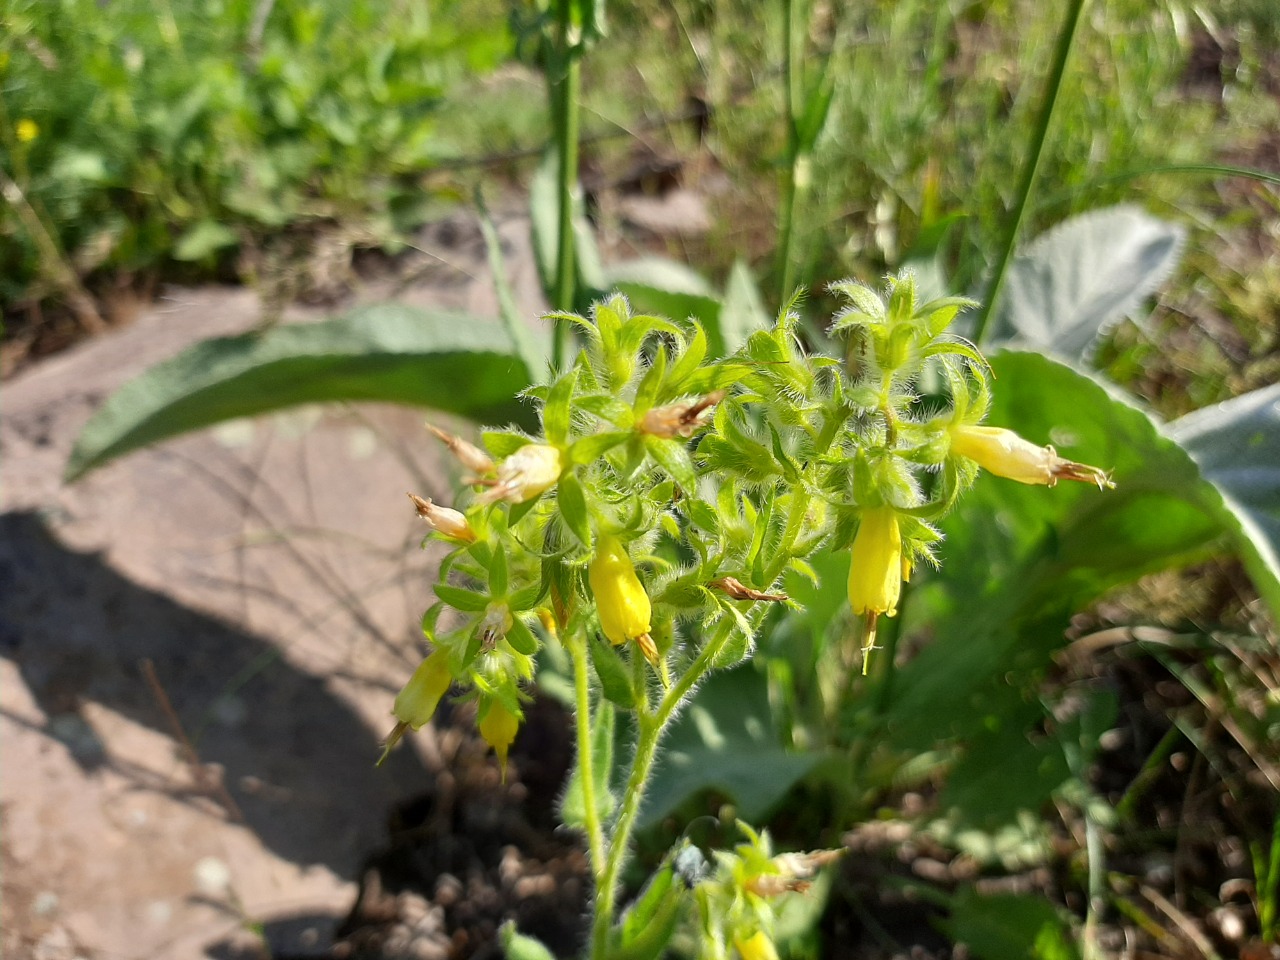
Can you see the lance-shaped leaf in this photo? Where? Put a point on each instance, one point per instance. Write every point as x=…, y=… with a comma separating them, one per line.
x=391, y=353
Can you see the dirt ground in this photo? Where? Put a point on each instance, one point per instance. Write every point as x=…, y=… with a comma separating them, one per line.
x=199, y=645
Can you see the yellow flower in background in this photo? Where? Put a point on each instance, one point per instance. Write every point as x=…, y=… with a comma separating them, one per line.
x=875, y=570
x=758, y=946
x=531, y=470
x=26, y=130
x=498, y=727
x=621, y=602
x=1006, y=454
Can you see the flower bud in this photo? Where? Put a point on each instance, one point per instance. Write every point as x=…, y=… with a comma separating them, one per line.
x=531, y=470
x=468, y=454
x=758, y=946
x=621, y=603
x=1006, y=454
x=444, y=520
x=416, y=703
x=498, y=727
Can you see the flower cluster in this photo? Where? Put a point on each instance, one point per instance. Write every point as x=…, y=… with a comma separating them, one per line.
x=644, y=524
x=665, y=494
x=737, y=903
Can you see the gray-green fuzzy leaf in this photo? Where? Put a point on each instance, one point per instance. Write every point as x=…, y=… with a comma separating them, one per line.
x=390, y=353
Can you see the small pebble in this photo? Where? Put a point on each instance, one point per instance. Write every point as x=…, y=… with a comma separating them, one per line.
x=213, y=877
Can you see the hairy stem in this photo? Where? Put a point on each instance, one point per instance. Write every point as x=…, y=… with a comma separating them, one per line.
x=586, y=760
x=650, y=729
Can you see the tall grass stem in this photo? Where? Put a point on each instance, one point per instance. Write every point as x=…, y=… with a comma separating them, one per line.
x=1031, y=166
x=565, y=88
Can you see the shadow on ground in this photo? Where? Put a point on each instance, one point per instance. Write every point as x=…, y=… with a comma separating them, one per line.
x=294, y=758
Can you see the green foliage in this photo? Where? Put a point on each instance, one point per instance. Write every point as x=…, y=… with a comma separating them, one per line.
x=518, y=946
x=1005, y=926
x=177, y=131
x=726, y=742
x=389, y=353
x=1237, y=445
x=1075, y=282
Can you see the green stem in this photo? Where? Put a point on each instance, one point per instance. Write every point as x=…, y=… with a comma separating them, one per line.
x=586, y=760
x=565, y=91
x=796, y=179
x=1066, y=40
x=650, y=730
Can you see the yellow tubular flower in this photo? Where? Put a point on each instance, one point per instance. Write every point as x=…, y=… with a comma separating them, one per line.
x=758, y=946
x=1006, y=454
x=531, y=470
x=498, y=727
x=621, y=603
x=416, y=703
x=875, y=571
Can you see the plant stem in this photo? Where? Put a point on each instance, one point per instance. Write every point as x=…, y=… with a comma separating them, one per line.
x=796, y=179
x=586, y=760
x=650, y=732
x=1031, y=166
x=650, y=729
x=565, y=83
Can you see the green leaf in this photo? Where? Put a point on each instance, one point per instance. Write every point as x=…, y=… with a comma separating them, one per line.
x=609, y=408
x=1006, y=926
x=468, y=601
x=556, y=413
x=1005, y=771
x=588, y=449
x=673, y=456
x=689, y=361
x=1237, y=445
x=572, y=501
x=502, y=443
x=521, y=638
x=725, y=741
x=666, y=288
x=615, y=678
x=516, y=946
x=1079, y=279
x=743, y=312
x=390, y=353
x=573, y=808
x=649, y=923
x=498, y=573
